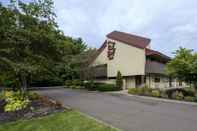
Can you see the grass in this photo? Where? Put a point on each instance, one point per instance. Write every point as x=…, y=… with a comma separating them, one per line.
x=66, y=121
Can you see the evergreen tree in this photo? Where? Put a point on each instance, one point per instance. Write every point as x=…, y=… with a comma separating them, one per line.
x=119, y=81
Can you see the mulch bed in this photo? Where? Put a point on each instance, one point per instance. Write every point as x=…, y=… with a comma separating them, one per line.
x=37, y=108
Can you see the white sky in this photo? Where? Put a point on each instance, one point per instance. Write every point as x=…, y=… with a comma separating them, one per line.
x=168, y=23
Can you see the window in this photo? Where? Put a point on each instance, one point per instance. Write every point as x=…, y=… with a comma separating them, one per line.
x=157, y=79
x=180, y=83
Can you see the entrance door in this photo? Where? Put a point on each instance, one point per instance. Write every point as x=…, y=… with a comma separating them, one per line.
x=138, y=81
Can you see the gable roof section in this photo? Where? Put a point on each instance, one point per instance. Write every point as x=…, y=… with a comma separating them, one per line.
x=150, y=52
x=133, y=40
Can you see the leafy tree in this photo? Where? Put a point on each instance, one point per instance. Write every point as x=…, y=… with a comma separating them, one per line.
x=119, y=81
x=33, y=49
x=28, y=43
x=183, y=66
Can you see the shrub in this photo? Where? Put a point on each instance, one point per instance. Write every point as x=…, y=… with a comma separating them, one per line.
x=33, y=96
x=15, y=101
x=106, y=87
x=163, y=94
x=1, y=95
x=195, y=99
x=119, y=81
x=132, y=91
x=189, y=98
x=68, y=83
x=77, y=83
x=155, y=93
x=89, y=85
x=177, y=95
x=172, y=92
x=146, y=91
x=189, y=91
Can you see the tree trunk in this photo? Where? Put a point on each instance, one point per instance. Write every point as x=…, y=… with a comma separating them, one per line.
x=24, y=83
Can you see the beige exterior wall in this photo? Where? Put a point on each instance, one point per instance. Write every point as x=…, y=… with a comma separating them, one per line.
x=130, y=82
x=164, y=82
x=128, y=60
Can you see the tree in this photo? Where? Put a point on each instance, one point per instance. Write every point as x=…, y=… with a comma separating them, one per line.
x=183, y=66
x=119, y=81
x=28, y=41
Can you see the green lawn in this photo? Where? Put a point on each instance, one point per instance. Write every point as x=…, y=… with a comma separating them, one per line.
x=66, y=121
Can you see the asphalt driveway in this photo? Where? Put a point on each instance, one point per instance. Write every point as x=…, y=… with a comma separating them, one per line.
x=129, y=113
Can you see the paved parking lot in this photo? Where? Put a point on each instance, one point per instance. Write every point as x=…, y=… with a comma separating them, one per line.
x=129, y=113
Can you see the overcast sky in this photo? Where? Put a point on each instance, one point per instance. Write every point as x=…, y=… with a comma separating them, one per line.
x=168, y=23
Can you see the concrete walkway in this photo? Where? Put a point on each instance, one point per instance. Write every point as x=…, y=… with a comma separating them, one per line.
x=129, y=113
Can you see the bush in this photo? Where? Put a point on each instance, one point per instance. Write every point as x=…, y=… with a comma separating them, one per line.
x=15, y=101
x=177, y=95
x=106, y=87
x=163, y=94
x=68, y=83
x=119, y=81
x=33, y=96
x=185, y=91
x=132, y=91
x=189, y=98
x=1, y=95
x=155, y=93
x=189, y=91
x=90, y=85
x=195, y=99
x=77, y=83
x=140, y=91
x=146, y=91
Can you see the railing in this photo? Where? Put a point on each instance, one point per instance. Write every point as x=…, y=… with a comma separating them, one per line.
x=154, y=67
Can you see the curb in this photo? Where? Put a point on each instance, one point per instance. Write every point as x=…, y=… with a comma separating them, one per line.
x=163, y=100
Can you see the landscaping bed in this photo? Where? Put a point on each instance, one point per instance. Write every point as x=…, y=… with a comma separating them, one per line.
x=38, y=106
x=91, y=85
x=182, y=94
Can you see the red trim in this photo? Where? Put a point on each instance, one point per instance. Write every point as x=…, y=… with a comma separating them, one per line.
x=134, y=40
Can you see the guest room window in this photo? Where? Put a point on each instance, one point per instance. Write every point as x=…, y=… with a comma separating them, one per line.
x=157, y=79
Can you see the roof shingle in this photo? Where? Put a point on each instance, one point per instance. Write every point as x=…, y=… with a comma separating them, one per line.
x=134, y=40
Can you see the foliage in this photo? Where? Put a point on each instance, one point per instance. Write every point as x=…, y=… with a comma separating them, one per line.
x=185, y=91
x=155, y=93
x=33, y=95
x=184, y=66
x=177, y=95
x=68, y=83
x=91, y=85
x=119, y=81
x=1, y=95
x=15, y=101
x=189, y=98
x=132, y=91
x=146, y=91
x=74, y=84
x=106, y=87
x=164, y=94
x=34, y=49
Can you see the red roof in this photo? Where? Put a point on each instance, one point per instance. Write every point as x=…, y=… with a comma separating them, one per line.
x=134, y=40
x=150, y=52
